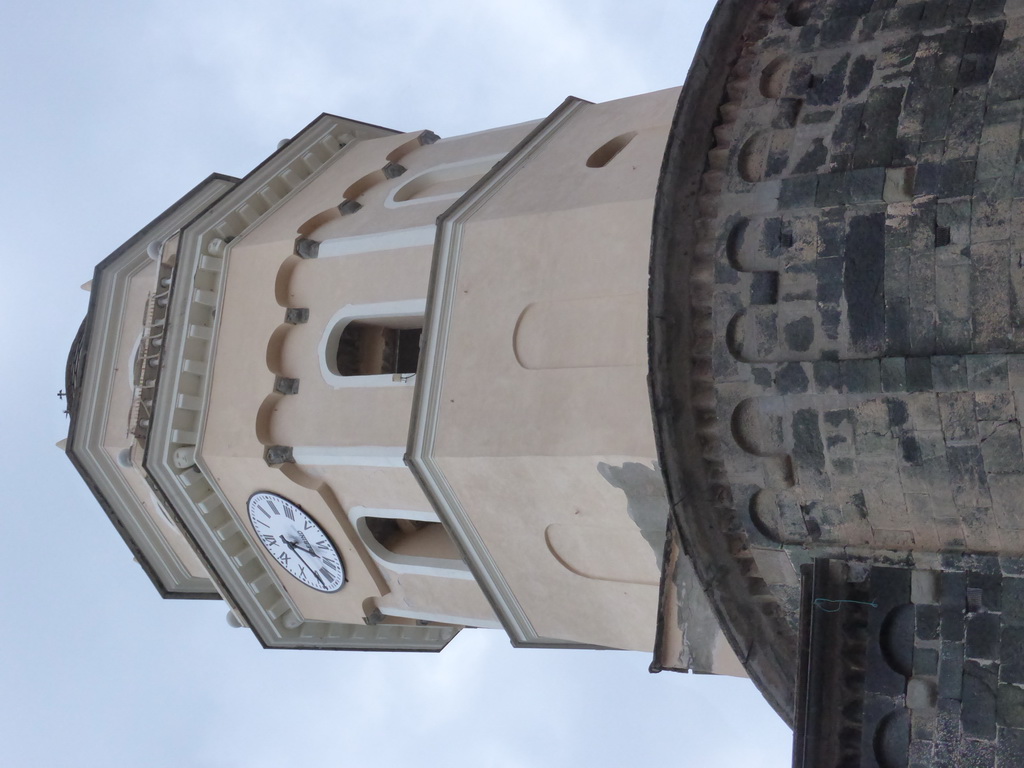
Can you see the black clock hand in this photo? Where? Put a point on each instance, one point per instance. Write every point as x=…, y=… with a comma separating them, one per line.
x=297, y=549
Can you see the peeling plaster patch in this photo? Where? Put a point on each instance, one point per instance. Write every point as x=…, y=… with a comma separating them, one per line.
x=697, y=621
x=646, y=502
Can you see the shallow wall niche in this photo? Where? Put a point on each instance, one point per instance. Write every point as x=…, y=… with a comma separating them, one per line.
x=440, y=182
x=604, y=154
x=600, y=331
x=584, y=550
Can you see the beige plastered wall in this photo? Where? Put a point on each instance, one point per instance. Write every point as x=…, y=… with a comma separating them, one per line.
x=117, y=436
x=544, y=395
x=254, y=345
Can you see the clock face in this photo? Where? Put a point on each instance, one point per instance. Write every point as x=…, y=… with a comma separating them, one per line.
x=299, y=545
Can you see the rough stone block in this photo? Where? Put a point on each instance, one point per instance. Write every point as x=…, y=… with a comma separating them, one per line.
x=990, y=585
x=921, y=754
x=978, y=716
x=927, y=622
x=982, y=636
x=1010, y=747
x=974, y=753
x=919, y=374
x=1001, y=447
x=1011, y=654
x=921, y=694
x=951, y=670
x=959, y=423
x=994, y=406
x=926, y=662
x=949, y=373
x=1010, y=706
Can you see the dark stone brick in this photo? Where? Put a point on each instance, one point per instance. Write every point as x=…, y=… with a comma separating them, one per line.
x=851, y=7
x=982, y=638
x=898, y=339
x=922, y=329
x=985, y=565
x=791, y=379
x=865, y=185
x=839, y=417
x=986, y=8
x=995, y=406
x=957, y=10
x=763, y=377
x=910, y=450
x=1010, y=747
x=861, y=376
x=860, y=76
x=967, y=472
x=949, y=373
x=980, y=52
x=831, y=189
x=919, y=374
x=831, y=317
x=956, y=410
x=1001, y=447
x=786, y=113
x=978, y=716
x=952, y=589
x=776, y=164
x=894, y=374
x=897, y=411
x=848, y=130
x=725, y=274
x=799, y=334
x=1010, y=706
x=920, y=753
x=952, y=624
x=826, y=88
x=829, y=274
x=987, y=372
x=797, y=192
x=881, y=112
x=838, y=29
x=764, y=288
x=947, y=724
x=1013, y=600
x=990, y=585
x=956, y=178
x=767, y=334
x=863, y=281
x=973, y=753
x=808, y=446
x=927, y=622
x=966, y=118
x=926, y=661
x=927, y=180
x=826, y=377
x=871, y=23
x=1011, y=655
x=816, y=116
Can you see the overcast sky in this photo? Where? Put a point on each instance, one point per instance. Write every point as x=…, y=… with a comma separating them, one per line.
x=109, y=112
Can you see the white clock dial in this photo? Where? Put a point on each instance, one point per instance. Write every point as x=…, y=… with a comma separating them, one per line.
x=296, y=542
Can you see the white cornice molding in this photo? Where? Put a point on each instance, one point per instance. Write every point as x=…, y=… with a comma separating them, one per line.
x=174, y=454
x=106, y=327
x=430, y=381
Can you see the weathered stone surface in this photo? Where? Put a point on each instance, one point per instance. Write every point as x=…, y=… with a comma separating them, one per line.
x=880, y=177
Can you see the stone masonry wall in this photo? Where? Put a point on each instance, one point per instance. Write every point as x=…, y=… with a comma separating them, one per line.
x=859, y=289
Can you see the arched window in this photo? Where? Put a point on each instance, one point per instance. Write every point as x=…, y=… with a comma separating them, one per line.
x=409, y=541
x=369, y=348
x=372, y=344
